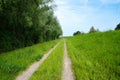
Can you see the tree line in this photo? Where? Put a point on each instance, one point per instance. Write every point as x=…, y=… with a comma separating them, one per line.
x=27, y=22
x=92, y=30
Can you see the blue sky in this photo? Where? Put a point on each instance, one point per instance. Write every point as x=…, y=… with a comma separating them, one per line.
x=80, y=15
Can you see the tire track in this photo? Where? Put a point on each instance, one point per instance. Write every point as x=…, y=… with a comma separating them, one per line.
x=67, y=69
x=28, y=73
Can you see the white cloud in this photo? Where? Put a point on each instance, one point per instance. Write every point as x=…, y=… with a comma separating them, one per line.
x=73, y=16
x=68, y=16
x=78, y=15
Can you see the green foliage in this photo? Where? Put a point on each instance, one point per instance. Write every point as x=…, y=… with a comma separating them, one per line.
x=95, y=56
x=92, y=30
x=14, y=62
x=26, y=22
x=118, y=27
x=76, y=33
x=51, y=69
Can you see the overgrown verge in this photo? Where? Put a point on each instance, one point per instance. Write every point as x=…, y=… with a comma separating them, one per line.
x=95, y=56
x=51, y=69
x=14, y=62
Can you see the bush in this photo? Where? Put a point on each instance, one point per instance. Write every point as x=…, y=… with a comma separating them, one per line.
x=118, y=27
x=77, y=33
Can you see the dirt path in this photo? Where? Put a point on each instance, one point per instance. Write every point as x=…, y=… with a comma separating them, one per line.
x=28, y=73
x=67, y=70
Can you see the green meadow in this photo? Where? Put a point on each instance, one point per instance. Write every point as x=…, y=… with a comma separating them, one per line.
x=14, y=62
x=95, y=56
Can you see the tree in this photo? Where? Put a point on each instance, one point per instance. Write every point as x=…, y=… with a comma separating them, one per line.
x=118, y=27
x=27, y=22
x=92, y=29
x=76, y=33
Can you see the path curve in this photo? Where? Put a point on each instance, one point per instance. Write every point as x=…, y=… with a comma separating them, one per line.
x=28, y=73
x=67, y=69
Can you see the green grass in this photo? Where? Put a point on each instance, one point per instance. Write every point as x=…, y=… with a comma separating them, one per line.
x=51, y=69
x=95, y=56
x=14, y=62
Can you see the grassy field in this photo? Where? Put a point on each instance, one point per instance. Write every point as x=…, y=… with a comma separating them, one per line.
x=14, y=62
x=51, y=69
x=95, y=56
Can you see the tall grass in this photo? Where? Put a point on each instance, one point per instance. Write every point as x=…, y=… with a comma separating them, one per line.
x=51, y=69
x=95, y=56
x=14, y=62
